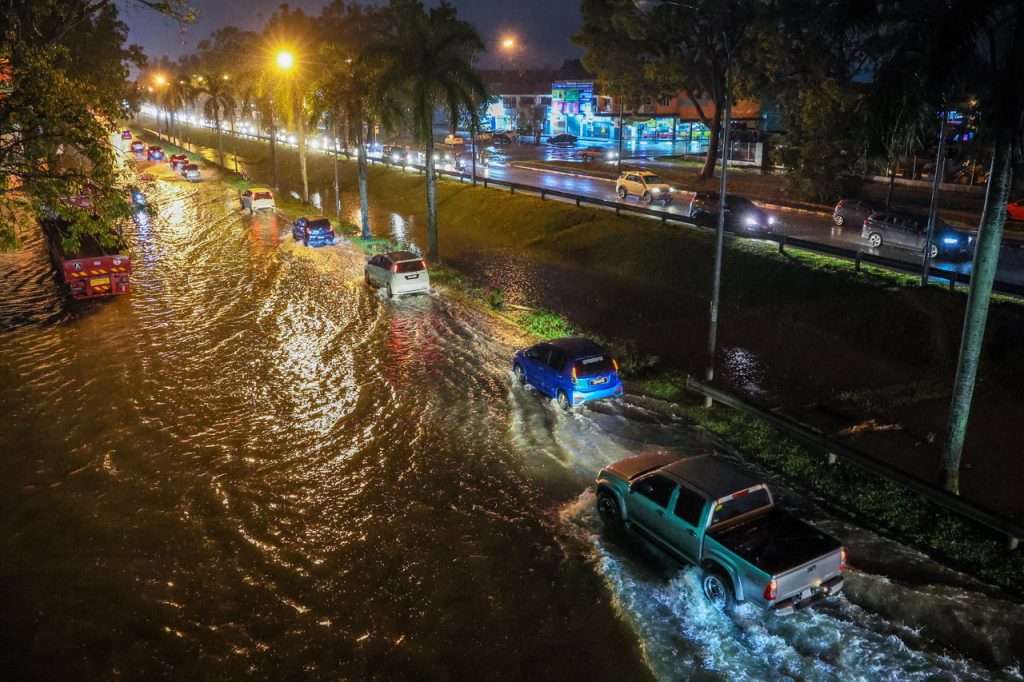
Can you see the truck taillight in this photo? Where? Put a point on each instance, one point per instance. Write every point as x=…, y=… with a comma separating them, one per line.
x=842, y=558
x=771, y=591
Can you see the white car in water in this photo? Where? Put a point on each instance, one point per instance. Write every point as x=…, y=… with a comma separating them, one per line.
x=398, y=272
x=257, y=199
x=191, y=173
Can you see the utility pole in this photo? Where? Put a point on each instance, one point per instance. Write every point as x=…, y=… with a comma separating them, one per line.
x=940, y=165
x=716, y=284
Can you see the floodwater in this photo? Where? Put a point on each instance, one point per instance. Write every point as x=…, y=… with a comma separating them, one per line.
x=254, y=465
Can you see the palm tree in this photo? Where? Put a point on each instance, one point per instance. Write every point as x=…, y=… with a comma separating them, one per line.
x=428, y=61
x=287, y=92
x=254, y=98
x=331, y=93
x=177, y=95
x=220, y=101
x=939, y=53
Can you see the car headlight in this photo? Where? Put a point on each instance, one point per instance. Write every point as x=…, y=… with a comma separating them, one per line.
x=673, y=190
x=656, y=190
x=750, y=220
x=952, y=241
x=771, y=220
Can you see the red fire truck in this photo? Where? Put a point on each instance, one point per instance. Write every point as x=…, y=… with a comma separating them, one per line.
x=93, y=270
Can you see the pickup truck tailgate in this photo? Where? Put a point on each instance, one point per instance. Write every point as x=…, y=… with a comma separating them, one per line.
x=801, y=581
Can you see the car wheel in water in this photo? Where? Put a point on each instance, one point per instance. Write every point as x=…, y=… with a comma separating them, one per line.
x=647, y=198
x=621, y=192
x=520, y=377
x=718, y=590
x=933, y=251
x=875, y=239
x=838, y=219
x=390, y=294
x=563, y=400
x=608, y=509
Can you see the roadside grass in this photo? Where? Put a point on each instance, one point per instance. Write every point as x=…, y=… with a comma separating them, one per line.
x=869, y=501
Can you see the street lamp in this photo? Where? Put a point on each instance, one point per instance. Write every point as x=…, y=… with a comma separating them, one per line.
x=716, y=283
x=285, y=59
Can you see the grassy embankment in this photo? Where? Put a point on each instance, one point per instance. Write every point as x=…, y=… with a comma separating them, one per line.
x=810, y=297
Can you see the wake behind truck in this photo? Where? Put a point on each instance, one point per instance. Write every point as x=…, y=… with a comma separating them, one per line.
x=93, y=270
x=703, y=511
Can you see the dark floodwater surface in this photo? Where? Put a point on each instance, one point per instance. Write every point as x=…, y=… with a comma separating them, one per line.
x=255, y=466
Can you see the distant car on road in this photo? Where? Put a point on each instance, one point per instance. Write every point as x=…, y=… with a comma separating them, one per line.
x=126, y=134
x=1015, y=210
x=257, y=199
x=313, y=231
x=488, y=158
x=501, y=138
x=178, y=161
x=704, y=511
x=398, y=272
x=452, y=140
x=741, y=215
x=596, y=153
x=853, y=211
x=155, y=153
x=570, y=370
x=138, y=147
x=646, y=185
x=393, y=153
x=191, y=172
x=563, y=140
x=910, y=231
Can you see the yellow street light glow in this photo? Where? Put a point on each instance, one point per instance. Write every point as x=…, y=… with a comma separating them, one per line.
x=159, y=79
x=508, y=43
x=285, y=60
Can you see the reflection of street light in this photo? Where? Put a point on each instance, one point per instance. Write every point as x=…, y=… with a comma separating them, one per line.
x=285, y=59
x=716, y=284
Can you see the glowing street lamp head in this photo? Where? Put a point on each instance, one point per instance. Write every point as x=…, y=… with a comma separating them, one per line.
x=160, y=79
x=285, y=59
x=508, y=43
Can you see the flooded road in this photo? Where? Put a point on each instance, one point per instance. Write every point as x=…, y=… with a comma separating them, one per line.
x=254, y=465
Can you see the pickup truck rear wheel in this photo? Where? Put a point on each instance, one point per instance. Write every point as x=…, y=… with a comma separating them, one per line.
x=718, y=589
x=608, y=509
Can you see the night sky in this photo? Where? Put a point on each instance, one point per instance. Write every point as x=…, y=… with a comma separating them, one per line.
x=542, y=27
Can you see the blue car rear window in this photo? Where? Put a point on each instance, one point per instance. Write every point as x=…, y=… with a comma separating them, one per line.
x=592, y=366
x=320, y=225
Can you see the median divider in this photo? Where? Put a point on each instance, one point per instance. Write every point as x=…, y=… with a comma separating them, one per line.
x=833, y=450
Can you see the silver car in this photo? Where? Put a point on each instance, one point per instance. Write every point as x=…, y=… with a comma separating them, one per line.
x=398, y=272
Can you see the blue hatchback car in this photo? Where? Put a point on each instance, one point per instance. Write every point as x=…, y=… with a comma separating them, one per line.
x=571, y=370
x=313, y=231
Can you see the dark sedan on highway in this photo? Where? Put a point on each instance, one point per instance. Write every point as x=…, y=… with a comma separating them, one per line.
x=910, y=231
x=563, y=140
x=741, y=215
x=853, y=211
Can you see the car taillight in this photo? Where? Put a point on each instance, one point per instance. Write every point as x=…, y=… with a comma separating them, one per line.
x=574, y=374
x=771, y=591
x=394, y=267
x=842, y=558
x=865, y=222
x=615, y=364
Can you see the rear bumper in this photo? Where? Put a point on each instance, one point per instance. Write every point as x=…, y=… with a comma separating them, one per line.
x=795, y=603
x=612, y=390
x=410, y=288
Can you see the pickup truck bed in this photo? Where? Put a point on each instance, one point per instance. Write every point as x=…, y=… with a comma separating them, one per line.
x=775, y=542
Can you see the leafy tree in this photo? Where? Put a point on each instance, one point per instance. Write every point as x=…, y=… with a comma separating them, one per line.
x=67, y=66
x=428, y=62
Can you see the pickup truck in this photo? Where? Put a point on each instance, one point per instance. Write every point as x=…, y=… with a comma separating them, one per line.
x=704, y=511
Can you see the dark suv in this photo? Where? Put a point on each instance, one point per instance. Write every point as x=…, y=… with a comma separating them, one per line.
x=853, y=211
x=741, y=215
x=910, y=231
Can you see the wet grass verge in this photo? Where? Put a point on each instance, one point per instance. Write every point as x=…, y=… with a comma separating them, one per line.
x=865, y=499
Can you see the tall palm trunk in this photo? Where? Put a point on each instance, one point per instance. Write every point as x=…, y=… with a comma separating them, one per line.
x=431, y=189
x=220, y=142
x=273, y=154
x=337, y=182
x=364, y=202
x=983, y=274
x=302, y=157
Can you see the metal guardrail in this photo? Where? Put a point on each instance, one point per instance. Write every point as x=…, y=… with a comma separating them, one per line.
x=834, y=450
x=857, y=256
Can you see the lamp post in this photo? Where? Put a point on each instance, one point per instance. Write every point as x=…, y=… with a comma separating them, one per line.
x=716, y=282
x=286, y=62
x=159, y=81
